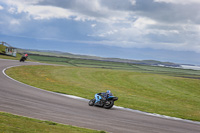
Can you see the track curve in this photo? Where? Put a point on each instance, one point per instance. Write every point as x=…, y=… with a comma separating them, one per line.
x=28, y=101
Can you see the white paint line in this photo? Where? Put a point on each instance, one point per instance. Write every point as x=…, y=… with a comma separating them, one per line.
x=117, y=107
x=74, y=97
x=157, y=115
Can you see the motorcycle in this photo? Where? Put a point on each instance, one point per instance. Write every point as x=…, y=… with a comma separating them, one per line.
x=101, y=101
x=22, y=59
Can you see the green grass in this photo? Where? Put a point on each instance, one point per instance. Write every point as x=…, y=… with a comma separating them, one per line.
x=140, y=88
x=17, y=124
x=10, y=57
x=177, y=72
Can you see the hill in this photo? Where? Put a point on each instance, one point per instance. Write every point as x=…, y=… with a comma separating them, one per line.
x=87, y=57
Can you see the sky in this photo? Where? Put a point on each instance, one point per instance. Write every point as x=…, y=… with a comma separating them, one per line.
x=164, y=30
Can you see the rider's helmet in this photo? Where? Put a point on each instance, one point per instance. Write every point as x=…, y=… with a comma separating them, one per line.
x=108, y=92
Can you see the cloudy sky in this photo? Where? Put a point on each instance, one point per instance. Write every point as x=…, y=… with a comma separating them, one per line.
x=164, y=30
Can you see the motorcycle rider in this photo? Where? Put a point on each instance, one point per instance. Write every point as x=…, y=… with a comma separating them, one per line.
x=105, y=94
x=25, y=55
x=104, y=99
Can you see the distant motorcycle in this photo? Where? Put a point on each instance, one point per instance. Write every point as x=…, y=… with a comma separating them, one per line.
x=23, y=58
x=101, y=101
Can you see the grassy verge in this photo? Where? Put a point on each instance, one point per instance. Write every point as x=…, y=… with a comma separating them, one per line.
x=14, y=124
x=156, y=93
x=10, y=57
x=177, y=72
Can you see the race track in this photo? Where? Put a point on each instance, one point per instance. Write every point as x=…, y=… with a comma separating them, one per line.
x=28, y=101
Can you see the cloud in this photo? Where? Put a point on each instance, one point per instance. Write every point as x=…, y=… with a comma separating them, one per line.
x=179, y=1
x=93, y=25
x=14, y=22
x=157, y=24
x=80, y=10
x=133, y=2
x=48, y=12
x=1, y=7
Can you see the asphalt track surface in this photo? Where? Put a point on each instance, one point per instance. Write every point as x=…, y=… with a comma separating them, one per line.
x=31, y=102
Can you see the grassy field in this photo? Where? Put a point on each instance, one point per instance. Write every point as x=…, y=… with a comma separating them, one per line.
x=10, y=57
x=147, y=88
x=177, y=72
x=17, y=124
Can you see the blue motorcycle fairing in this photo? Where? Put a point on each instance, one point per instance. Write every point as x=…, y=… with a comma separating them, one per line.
x=98, y=98
x=110, y=97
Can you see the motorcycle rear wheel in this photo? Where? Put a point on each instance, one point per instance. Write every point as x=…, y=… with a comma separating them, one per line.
x=91, y=102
